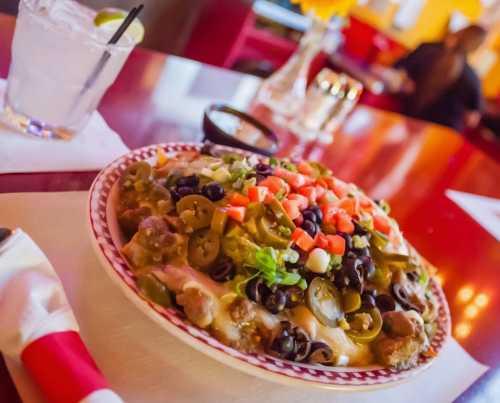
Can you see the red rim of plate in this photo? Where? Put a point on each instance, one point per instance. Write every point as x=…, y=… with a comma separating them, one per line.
x=262, y=365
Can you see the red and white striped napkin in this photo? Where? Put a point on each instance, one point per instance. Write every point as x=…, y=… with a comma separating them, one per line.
x=37, y=326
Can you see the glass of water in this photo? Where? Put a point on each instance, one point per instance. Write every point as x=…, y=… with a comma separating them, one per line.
x=56, y=48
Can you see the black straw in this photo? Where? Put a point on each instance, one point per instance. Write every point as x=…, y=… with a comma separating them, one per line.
x=107, y=55
x=125, y=24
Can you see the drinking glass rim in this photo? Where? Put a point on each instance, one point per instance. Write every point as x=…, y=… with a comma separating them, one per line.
x=28, y=4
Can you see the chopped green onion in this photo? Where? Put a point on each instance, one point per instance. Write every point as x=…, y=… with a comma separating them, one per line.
x=359, y=242
x=285, y=278
x=335, y=262
x=424, y=279
x=367, y=223
x=302, y=284
x=284, y=231
x=289, y=166
x=267, y=261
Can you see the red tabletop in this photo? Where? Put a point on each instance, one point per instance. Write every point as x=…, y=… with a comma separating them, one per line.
x=418, y=167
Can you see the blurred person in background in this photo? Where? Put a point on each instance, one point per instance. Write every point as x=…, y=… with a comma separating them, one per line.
x=439, y=85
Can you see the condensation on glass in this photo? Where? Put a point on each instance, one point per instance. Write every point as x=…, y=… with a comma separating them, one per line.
x=55, y=49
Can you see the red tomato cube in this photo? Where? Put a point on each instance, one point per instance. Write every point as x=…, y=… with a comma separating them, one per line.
x=309, y=192
x=292, y=208
x=236, y=213
x=348, y=204
x=321, y=241
x=303, y=201
x=305, y=168
x=239, y=200
x=274, y=184
x=329, y=213
x=344, y=223
x=257, y=193
x=305, y=242
x=336, y=245
x=382, y=224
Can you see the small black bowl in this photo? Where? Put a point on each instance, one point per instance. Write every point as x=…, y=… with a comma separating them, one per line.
x=224, y=125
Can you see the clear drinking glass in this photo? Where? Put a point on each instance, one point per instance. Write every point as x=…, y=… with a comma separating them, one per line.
x=56, y=48
x=352, y=93
x=329, y=100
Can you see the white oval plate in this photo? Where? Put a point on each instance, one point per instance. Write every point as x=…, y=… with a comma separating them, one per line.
x=107, y=240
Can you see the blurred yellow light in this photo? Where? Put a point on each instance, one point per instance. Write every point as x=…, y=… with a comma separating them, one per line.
x=440, y=279
x=462, y=330
x=325, y=9
x=471, y=311
x=482, y=300
x=465, y=294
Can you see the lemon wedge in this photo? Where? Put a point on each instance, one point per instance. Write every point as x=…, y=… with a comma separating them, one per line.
x=111, y=18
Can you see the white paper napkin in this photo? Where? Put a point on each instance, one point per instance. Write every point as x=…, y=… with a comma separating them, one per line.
x=92, y=149
x=144, y=363
x=35, y=316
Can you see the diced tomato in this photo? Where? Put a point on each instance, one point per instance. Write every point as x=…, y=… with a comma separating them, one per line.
x=275, y=184
x=320, y=191
x=257, y=193
x=322, y=182
x=366, y=204
x=309, y=192
x=382, y=224
x=292, y=208
x=305, y=168
x=336, y=245
x=238, y=200
x=339, y=188
x=303, y=201
x=236, y=213
x=299, y=220
x=297, y=233
x=321, y=241
x=303, y=240
x=344, y=223
x=349, y=205
x=294, y=179
x=328, y=197
x=329, y=213
x=297, y=181
x=269, y=197
x=329, y=180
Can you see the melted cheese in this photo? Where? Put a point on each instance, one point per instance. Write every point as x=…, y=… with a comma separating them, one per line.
x=178, y=279
x=336, y=338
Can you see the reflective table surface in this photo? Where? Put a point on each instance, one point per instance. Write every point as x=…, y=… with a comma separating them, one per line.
x=444, y=192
